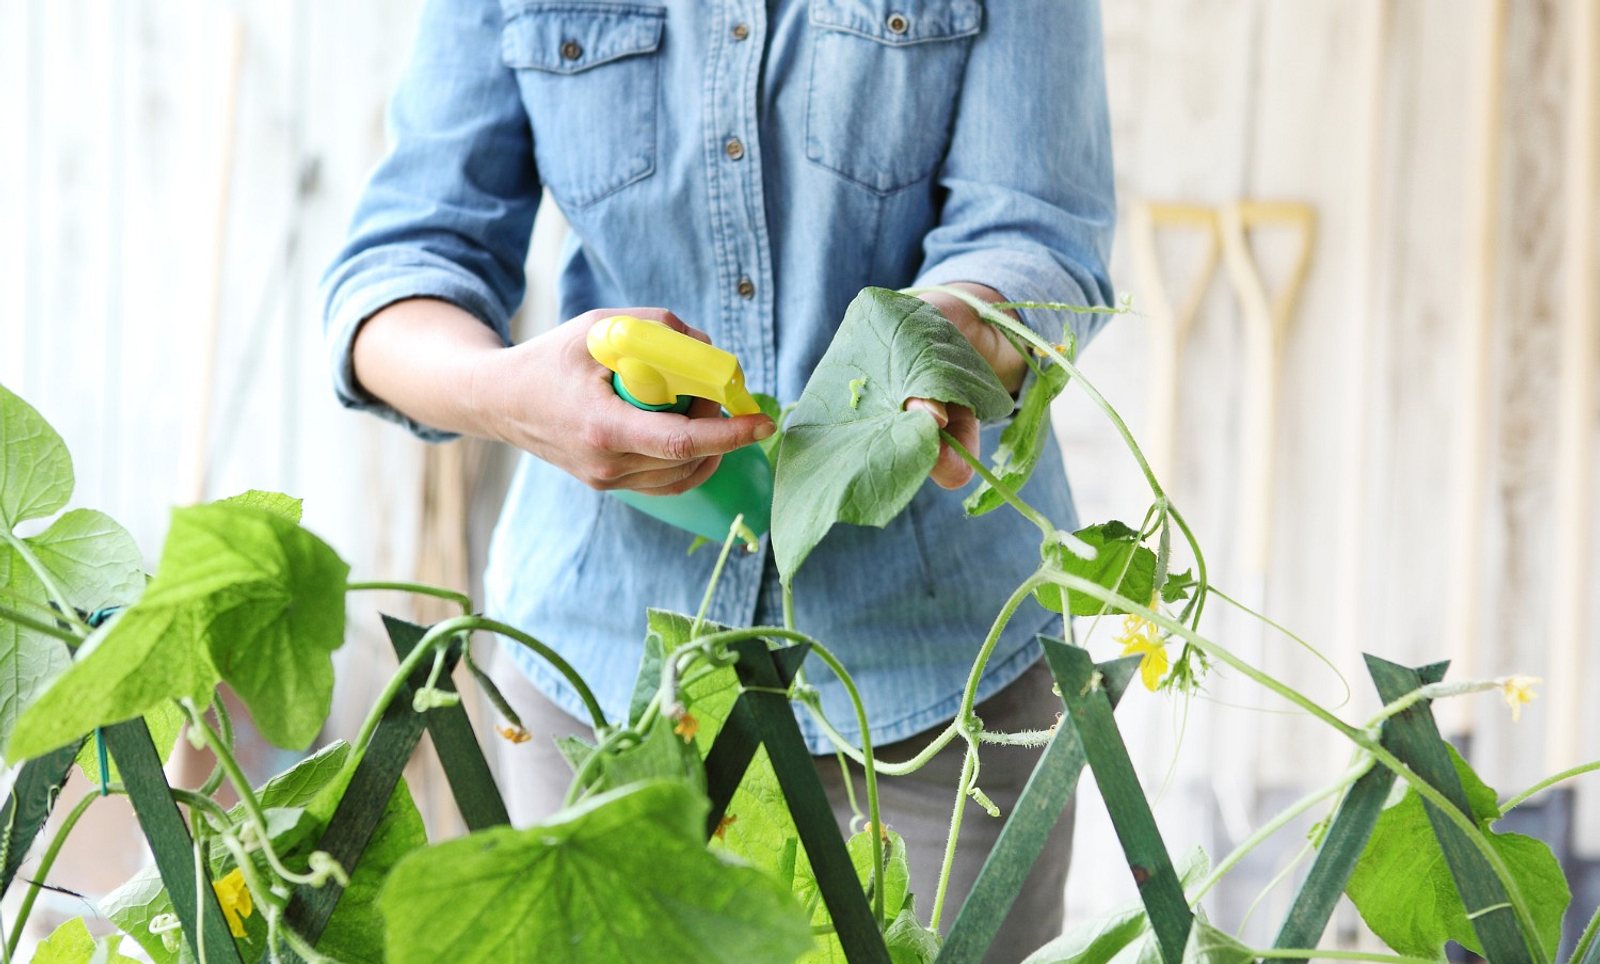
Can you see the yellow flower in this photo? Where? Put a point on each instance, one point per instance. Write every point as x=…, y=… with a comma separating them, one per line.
x=686, y=727
x=1518, y=691
x=234, y=897
x=515, y=734
x=1143, y=638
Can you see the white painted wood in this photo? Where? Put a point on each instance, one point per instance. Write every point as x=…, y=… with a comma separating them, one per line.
x=1464, y=614
x=1573, y=611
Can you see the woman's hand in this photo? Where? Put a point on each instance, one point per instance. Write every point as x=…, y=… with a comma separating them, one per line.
x=950, y=471
x=546, y=396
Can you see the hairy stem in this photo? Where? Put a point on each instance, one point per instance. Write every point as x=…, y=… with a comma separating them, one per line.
x=415, y=588
x=45, y=864
x=1581, y=953
x=875, y=831
x=1548, y=782
x=1272, y=826
x=439, y=634
x=49, y=628
x=46, y=578
x=247, y=794
x=1360, y=738
x=1015, y=501
x=968, y=762
x=716, y=575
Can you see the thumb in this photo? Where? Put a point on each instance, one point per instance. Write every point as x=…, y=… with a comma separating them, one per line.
x=932, y=407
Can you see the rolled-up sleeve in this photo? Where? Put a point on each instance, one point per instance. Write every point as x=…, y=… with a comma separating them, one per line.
x=449, y=212
x=1029, y=203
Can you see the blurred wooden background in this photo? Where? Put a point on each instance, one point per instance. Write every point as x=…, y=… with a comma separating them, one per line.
x=176, y=173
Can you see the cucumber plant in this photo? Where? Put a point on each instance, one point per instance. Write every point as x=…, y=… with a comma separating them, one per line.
x=658, y=854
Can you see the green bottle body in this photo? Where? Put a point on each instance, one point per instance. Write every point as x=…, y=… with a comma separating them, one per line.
x=741, y=485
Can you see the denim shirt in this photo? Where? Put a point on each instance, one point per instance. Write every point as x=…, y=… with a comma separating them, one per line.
x=750, y=166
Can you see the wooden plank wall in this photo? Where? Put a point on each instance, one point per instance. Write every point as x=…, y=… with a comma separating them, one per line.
x=1381, y=114
x=113, y=163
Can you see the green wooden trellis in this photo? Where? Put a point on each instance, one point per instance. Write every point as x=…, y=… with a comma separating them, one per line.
x=762, y=715
x=1090, y=693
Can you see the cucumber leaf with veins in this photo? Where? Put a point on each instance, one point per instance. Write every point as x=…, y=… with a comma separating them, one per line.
x=851, y=452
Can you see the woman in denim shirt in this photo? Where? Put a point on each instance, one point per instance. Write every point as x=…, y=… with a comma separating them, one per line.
x=745, y=167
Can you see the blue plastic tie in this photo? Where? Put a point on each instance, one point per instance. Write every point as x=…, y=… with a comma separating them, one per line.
x=95, y=619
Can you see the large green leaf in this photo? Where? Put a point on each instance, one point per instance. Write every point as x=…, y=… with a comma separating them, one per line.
x=145, y=656
x=1403, y=887
x=93, y=560
x=94, y=563
x=29, y=660
x=1121, y=564
x=1112, y=936
x=277, y=503
x=758, y=827
x=242, y=594
x=851, y=452
x=909, y=942
x=302, y=801
x=618, y=877
x=35, y=468
x=71, y=943
x=276, y=623
x=1022, y=442
x=165, y=723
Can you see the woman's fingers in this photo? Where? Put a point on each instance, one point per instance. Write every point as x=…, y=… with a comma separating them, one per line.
x=950, y=471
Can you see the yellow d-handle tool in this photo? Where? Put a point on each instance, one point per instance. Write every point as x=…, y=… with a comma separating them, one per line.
x=661, y=370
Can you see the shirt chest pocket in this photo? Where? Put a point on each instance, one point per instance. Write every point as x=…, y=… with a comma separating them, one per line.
x=884, y=79
x=589, y=75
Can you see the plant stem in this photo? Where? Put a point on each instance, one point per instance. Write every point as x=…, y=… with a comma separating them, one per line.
x=1005, y=322
x=1360, y=738
x=1279, y=953
x=967, y=763
x=247, y=793
x=963, y=725
x=1548, y=782
x=46, y=579
x=438, y=634
x=40, y=626
x=1302, y=643
x=45, y=863
x=716, y=575
x=1580, y=953
x=788, y=606
x=912, y=765
x=225, y=727
x=1274, y=825
x=1028, y=512
x=416, y=588
x=875, y=830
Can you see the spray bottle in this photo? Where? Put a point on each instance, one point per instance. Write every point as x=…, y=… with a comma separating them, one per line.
x=658, y=369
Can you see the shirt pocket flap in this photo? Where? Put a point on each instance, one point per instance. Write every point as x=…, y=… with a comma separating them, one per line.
x=900, y=22
x=565, y=38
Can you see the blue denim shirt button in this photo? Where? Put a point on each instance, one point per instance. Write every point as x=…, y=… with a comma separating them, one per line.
x=741, y=31
x=734, y=149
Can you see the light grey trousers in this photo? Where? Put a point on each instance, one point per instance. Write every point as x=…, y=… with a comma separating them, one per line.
x=534, y=780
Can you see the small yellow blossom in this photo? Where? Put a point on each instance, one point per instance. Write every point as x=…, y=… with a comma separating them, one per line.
x=721, y=833
x=515, y=734
x=686, y=727
x=234, y=897
x=1518, y=691
x=1143, y=638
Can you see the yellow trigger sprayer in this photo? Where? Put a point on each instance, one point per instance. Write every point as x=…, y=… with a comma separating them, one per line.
x=659, y=369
